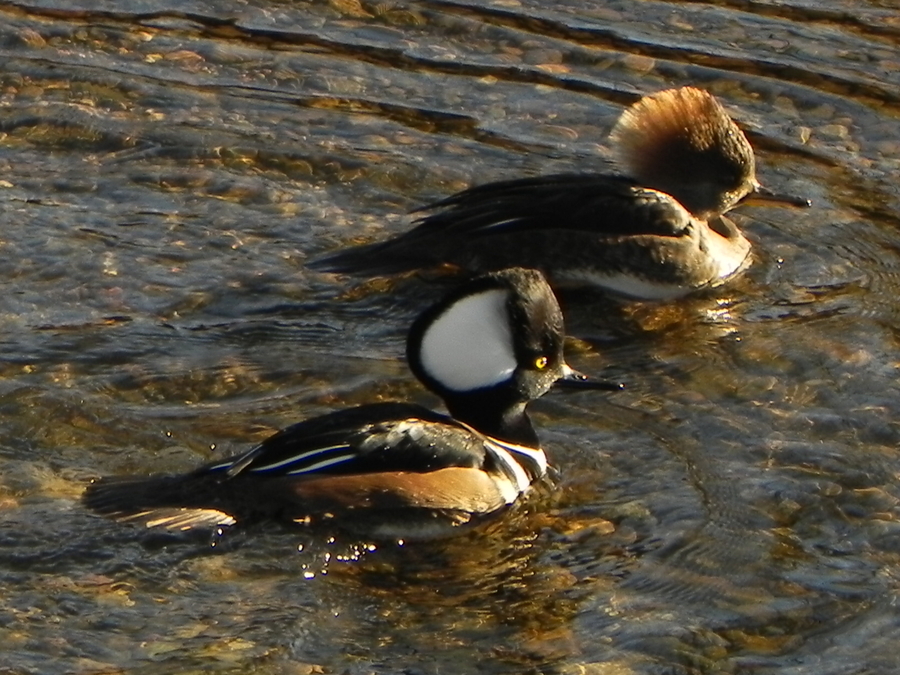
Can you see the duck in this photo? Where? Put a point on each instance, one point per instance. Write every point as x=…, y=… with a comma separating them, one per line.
x=655, y=232
x=393, y=470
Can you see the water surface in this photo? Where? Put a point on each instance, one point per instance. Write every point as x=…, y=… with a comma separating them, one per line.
x=169, y=167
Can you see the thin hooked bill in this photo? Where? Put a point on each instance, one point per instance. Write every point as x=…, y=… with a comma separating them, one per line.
x=573, y=380
x=762, y=196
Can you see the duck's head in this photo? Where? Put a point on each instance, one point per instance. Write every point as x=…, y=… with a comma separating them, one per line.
x=683, y=143
x=502, y=331
x=491, y=346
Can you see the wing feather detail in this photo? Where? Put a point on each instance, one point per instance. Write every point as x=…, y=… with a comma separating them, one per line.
x=369, y=439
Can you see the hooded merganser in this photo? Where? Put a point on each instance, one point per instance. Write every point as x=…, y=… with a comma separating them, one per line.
x=658, y=234
x=393, y=470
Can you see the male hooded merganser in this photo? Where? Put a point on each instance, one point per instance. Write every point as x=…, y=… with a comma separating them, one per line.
x=657, y=234
x=393, y=470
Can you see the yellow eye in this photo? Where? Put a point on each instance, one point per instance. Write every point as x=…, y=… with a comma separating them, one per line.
x=541, y=362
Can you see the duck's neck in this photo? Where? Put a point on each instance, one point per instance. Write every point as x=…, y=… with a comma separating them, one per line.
x=485, y=414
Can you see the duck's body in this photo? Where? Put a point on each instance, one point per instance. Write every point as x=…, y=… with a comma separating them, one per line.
x=650, y=247
x=656, y=235
x=389, y=470
x=392, y=470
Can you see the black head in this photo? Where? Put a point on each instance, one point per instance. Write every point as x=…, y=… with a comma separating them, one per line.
x=490, y=347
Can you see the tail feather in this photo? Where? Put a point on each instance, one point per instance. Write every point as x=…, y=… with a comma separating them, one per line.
x=374, y=259
x=175, y=503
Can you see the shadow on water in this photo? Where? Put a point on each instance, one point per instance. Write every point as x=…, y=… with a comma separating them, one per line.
x=169, y=168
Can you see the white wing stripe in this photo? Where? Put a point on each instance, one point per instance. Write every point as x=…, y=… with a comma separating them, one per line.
x=322, y=465
x=303, y=457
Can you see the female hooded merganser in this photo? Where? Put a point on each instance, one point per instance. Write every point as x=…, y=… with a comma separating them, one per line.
x=658, y=234
x=393, y=470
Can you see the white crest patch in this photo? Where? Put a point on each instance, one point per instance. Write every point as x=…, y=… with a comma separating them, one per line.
x=470, y=345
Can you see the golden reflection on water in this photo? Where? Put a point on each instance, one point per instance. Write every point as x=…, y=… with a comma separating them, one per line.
x=166, y=175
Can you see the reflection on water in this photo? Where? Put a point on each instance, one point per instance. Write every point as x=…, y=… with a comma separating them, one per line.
x=168, y=168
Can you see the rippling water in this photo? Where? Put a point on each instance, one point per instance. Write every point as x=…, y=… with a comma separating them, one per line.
x=167, y=170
